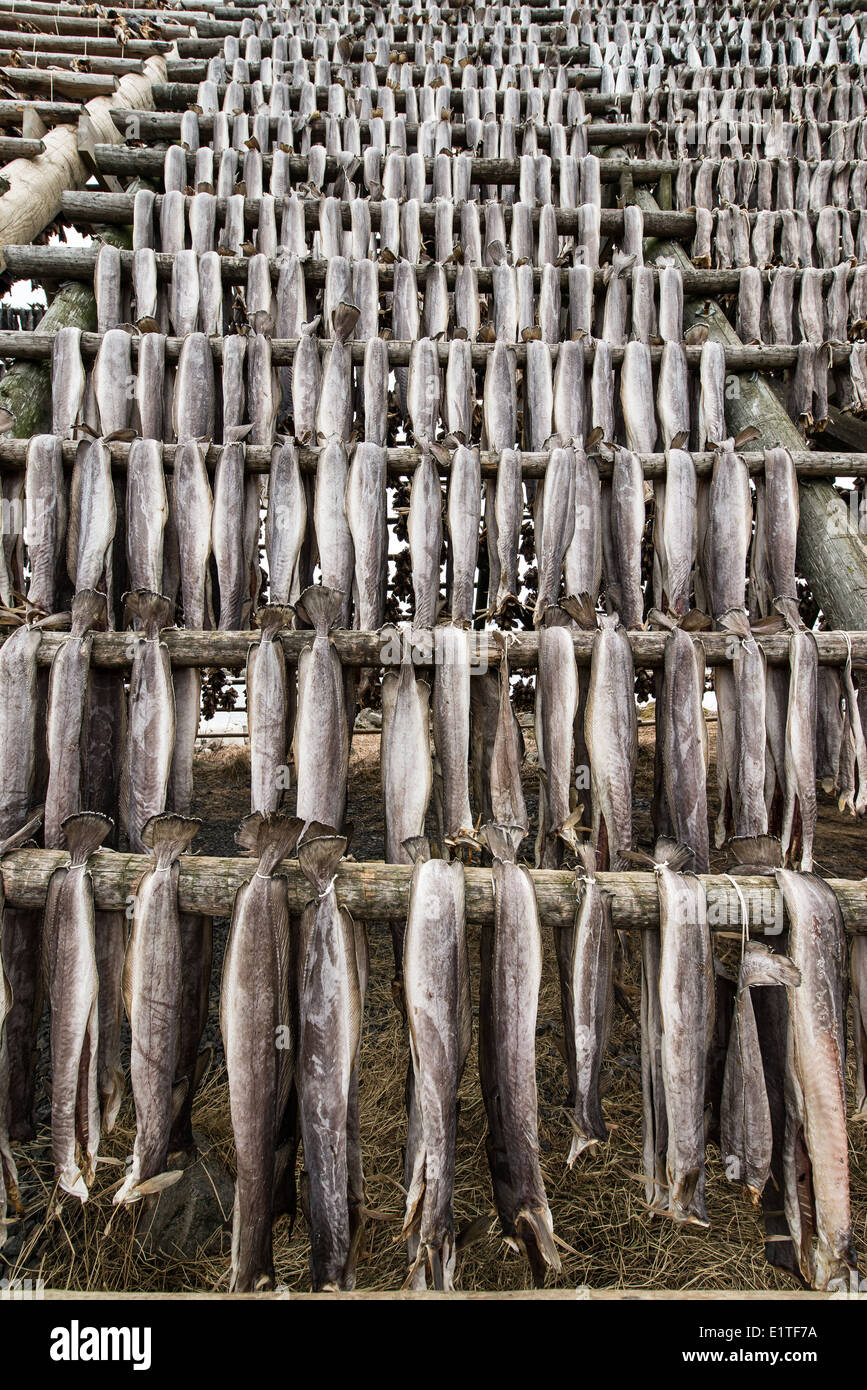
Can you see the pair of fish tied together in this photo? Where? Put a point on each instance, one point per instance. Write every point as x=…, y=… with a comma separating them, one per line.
x=386, y=359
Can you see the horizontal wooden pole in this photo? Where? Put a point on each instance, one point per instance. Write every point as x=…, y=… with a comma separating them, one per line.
x=82, y=85
x=88, y=207
x=188, y=647
x=402, y=460
x=51, y=112
x=88, y=45
x=80, y=20
x=380, y=892
x=35, y=346
x=98, y=65
x=78, y=263
x=134, y=160
x=11, y=147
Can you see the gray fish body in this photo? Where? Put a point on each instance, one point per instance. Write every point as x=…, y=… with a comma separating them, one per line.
x=459, y=396
x=366, y=505
x=627, y=529
x=538, y=395
x=67, y=693
x=556, y=705
x=555, y=526
x=711, y=407
x=18, y=705
x=257, y=1032
x=464, y=520
x=499, y=400
x=782, y=513
x=654, y=1117
x=285, y=523
x=194, y=401
x=184, y=296
x=817, y=1033
x=146, y=514
x=729, y=532
x=111, y=373
x=267, y=711
x=591, y=998
x=150, y=385
x=47, y=514
x=750, y=688
x=601, y=419
x=92, y=518
x=374, y=389
x=187, y=686
x=210, y=318
x=451, y=727
x=321, y=740
x=636, y=398
x=227, y=540
x=678, y=527
x=569, y=393
x=611, y=733
x=329, y=1035
x=334, y=411
x=440, y=1025
x=193, y=509
x=467, y=314
x=684, y=747
x=509, y=512
x=233, y=383
x=686, y=997
x=407, y=773
x=424, y=387
x=333, y=533
x=151, y=723
x=507, y=797
x=72, y=984
x=263, y=391
x=425, y=538
x=68, y=381
x=583, y=559
x=672, y=396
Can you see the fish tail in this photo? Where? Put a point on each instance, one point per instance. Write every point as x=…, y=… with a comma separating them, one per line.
x=168, y=836
x=764, y=850
x=154, y=611
x=535, y=1225
x=318, y=859
x=88, y=609
x=320, y=606
x=343, y=320
x=134, y=1188
x=672, y=854
x=272, y=617
x=503, y=841
x=85, y=833
x=762, y=966
x=277, y=837
x=418, y=848
x=21, y=836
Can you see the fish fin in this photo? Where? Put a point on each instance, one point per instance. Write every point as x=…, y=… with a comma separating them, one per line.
x=21, y=836
x=158, y=1183
x=695, y=621
x=84, y=833
x=318, y=859
x=276, y=838
x=320, y=607
x=761, y=966
x=680, y=440
x=179, y=1095
x=418, y=848
x=582, y=609
x=169, y=835
x=343, y=320
x=272, y=617
x=503, y=841
x=571, y=829
x=672, y=854
x=537, y=1225
x=247, y=834
x=763, y=850
x=637, y=857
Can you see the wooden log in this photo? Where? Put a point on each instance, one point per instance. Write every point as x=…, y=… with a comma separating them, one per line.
x=83, y=86
x=65, y=19
x=27, y=44
x=68, y=62
x=49, y=112
x=13, y=147
x=402, y=460
x=36, y=185
x=35, y=345
x=832, y=553
x=190, y=647
x=78, y=262
x=380, y=892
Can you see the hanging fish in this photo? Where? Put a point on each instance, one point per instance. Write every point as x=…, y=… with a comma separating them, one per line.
x=464, y=520
x=67, y=693
x=611, y=732
x=147, y=512
x=268, y=710
x=451, y=728
x=556, y=706
x=192, y=505
x=507, y=797
x=151, y=722
x=321, y=738
x=425, y=536
x=92, y=519
x=333, y=533
x=227, y=534
x=366, y=503
x=46, y=520
x=285, y=523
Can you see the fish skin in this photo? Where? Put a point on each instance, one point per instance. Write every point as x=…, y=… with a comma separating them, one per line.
x=374, y=390
x=554, y=526
x=334, y=410
x=285, y=523
x=150, y=385
x=568, y=405
x=727, y=752
x=556, y=706
x=261, y=304
x=366, y=503
x=686, y=996
x=858, y=985
x=782, y=512
x=459, y=394
x=333, y=533
x=436, y=302
x=500, y=400
x=440, y=1028
x=467, y=314
x=233, y=384
x=582, y=564
x=68, y=381
x=110, y=930
x=627, y=530
x=424, y=527
x=654, y=1117
x=799, y=802
x=151, y=721
x=112, y=372
x=146, y=514
x=684, y=745
x=679, y=530
x=601, y=419
x=194, y=401
x=538, y=395
x=9, y=1194
x=255, y=1013
x=514, y=979
x=187, y=687
x=590, y=995
x=211, y=318
x=47, y=514
x=407, y=773
x=72, y=986
x=196, y=957
x=611, y=733
x=321, y=738
x=711, y=406
x=184, y=293
x=636, y=398
x=145, y=284
x=750, y=686
x=507, y=797
x=192, y=503
x=673, y=395
x=504, y=294
x=424, y=389
x=816, y=1081
x=263, y=391
x=405, y=319
x=267, y=709
x=464, y=520
x=67, y=693
x=746, y=1133
x=22, y=929
x=92, y=519
x=727, y=540
x=509, y=512
x=227, y=534
x=451, y=727
x=329, y=1036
